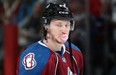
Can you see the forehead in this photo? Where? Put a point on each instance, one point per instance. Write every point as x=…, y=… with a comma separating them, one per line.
x=60, y=21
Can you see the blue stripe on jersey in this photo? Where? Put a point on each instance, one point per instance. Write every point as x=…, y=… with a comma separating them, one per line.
x=73, y=46
x=78, y=71
x=41, y=57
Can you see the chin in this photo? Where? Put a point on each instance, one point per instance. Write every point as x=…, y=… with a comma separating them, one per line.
x=61, y=42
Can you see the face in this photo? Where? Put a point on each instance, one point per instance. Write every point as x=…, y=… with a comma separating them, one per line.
x=58, y=30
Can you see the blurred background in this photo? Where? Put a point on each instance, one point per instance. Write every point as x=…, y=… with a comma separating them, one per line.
x=94, y=34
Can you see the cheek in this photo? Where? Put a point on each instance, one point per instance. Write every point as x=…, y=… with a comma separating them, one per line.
x=54, y=32
x=68, y=32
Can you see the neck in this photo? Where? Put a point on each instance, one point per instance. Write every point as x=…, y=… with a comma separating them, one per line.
x=54, y=46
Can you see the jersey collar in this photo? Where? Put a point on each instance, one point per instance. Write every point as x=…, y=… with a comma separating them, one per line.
x=62, y=50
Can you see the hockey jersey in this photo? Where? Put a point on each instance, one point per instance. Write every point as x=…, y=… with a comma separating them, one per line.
x=38, y=59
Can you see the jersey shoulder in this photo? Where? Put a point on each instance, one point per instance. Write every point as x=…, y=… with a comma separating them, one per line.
x=33, y=59
x=72, y=45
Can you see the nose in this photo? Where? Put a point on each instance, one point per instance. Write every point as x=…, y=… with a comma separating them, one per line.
x=64, y=29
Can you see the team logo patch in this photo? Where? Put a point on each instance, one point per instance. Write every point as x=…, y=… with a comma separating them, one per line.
x=29, y=61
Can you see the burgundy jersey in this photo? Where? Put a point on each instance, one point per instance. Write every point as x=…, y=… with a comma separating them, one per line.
x=38, y=59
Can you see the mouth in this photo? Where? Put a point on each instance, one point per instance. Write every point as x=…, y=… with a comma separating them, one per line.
x=64, y=37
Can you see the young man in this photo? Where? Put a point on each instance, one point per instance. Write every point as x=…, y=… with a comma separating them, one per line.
x=53, y=55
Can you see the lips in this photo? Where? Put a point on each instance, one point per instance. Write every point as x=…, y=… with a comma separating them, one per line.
x=64, y=37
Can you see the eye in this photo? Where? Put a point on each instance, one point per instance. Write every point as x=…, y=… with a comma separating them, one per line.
x=59, y=25
x=67, y=26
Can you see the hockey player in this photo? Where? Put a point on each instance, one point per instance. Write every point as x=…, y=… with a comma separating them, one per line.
x=53, y=55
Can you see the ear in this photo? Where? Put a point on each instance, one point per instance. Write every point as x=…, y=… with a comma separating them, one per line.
x=46, y=27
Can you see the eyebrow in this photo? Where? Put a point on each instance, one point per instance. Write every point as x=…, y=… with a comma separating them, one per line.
x=60, y=22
